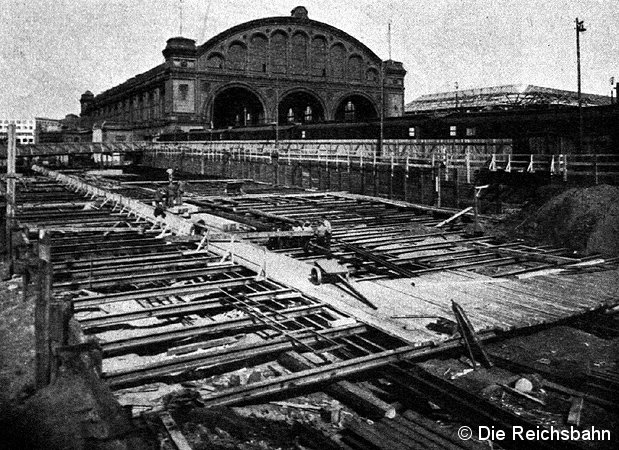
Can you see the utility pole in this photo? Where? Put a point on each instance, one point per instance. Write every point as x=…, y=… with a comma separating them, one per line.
x=389, y=38
x=382, y=96
x=277, y=113
x=180, y=8
x=456, y=96
x=11, y=154
x=580, y=28
x=382, y=110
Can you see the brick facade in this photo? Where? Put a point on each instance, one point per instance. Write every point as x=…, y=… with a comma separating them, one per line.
x=290, y=69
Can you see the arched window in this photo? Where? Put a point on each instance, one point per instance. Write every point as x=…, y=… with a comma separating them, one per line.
x=354, y=68
x=236, y=56
x=299, y=53
x=215, y=61
x=308, y=114
x=279, y=52
x=236, y=106
x=319, y=56
x=290, y=115
x=337, y=56
x=258, y=53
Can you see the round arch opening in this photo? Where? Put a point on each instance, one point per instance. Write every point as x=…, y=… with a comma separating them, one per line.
x=237, y=107
x=355, y=108
x=300, y=107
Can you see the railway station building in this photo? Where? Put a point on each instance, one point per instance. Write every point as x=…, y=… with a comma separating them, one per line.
x=279, y=69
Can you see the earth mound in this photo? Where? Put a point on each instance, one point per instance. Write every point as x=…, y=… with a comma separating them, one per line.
x=582, y=219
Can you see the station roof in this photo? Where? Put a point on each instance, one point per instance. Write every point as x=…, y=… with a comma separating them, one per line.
x=509, y=96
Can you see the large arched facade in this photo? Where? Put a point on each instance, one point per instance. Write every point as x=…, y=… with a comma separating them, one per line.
x=285, y=69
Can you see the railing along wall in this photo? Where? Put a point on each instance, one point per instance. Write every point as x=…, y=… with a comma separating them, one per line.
x=466, y=154
x=458, y=158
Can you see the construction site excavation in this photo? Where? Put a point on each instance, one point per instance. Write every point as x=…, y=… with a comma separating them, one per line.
x=178, y=309
x=354, y=225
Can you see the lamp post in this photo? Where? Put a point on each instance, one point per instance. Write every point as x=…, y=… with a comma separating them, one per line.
x=580, y=27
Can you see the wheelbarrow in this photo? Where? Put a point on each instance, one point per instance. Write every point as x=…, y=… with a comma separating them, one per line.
x=330, y=271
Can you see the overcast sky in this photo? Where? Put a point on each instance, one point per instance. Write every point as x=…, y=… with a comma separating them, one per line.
x=54, y=50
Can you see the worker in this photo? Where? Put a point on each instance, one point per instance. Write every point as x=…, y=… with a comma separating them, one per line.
x=170, y=194
x=179, y=192
x=328, y=230
x=296, y=241
x=158, y=200
x=159, y=211
x=320, y=234
x=170, y=173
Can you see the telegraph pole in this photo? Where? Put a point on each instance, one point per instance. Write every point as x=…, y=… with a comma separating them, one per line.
x=389, y=38
x=180, y=25
x=382, y=95
x=580, y=27
x=277, y=113
x=382, y=109
x=11, y=154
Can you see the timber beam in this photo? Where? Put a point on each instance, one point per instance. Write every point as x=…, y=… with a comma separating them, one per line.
x=123, y=346
x=220, y=361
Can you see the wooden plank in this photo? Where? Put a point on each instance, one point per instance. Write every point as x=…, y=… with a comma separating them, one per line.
x=328, y=373
x=573, y=417
x=401, y=204
x=121, y=346
x=542, y=257
x=188, y=289
x=41, y=314
x=296, y=274
x=454, y=217
x=351, y=393
x=221, y=359
x=174, y=431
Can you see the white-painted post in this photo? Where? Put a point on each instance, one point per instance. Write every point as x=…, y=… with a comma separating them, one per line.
x=467, y=162
x=493, y=163
x=348, y=157
x=530, y=168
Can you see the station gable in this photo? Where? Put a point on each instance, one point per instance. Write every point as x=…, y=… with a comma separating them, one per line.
x=290, y=47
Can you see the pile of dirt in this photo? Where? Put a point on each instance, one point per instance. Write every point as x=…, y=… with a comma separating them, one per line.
x=582, y=219
x=16, y=343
